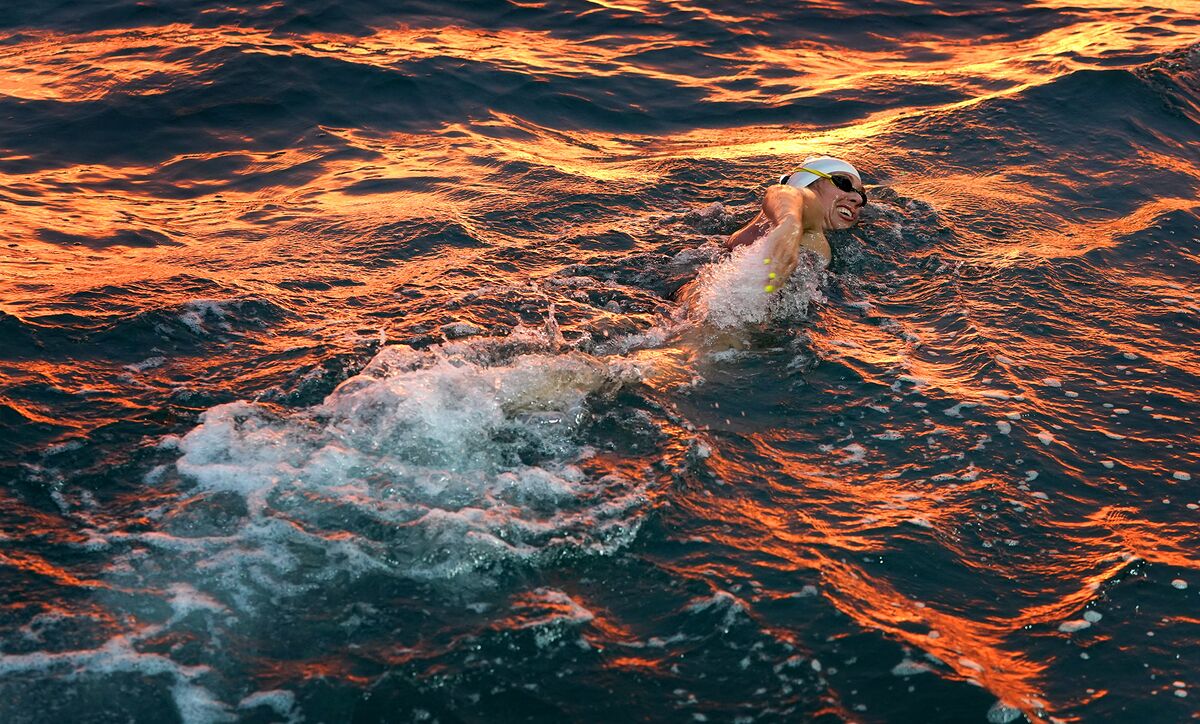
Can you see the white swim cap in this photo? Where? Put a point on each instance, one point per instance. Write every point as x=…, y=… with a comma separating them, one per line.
x=824, y=164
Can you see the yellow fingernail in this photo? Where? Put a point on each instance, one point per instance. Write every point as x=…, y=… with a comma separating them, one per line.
x=769, y=289
x=766, y=261
x=771, y=275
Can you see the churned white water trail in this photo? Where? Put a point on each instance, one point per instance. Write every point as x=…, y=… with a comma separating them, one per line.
x=466, y=461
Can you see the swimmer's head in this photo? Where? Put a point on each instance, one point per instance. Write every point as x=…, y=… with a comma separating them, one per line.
x=841, y=194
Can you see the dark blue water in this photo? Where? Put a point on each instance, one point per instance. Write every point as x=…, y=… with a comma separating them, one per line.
x=345, y=372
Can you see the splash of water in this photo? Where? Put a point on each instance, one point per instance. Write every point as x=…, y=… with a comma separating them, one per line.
x=467, y=458
x=730, y=294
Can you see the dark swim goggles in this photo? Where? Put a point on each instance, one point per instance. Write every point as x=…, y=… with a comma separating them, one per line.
x=843, y=183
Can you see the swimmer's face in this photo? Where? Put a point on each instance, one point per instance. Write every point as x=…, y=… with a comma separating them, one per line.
x=841, y=207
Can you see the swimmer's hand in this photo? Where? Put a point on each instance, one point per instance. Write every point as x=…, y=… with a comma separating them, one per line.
x=780, y=256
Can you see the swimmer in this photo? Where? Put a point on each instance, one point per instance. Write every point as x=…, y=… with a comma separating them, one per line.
x=824, y=193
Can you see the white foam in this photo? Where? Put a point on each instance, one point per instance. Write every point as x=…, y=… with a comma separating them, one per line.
x=956, y=410
x=471, y=463
x=146, y=364
x=185, y=600
x=457, y=330
x=283, y=703
x=1075, y=625
x=196, y=705
x=198, y=314
x=908, y=667
x=728, y=604
x=855, y=453
x=1001, y=713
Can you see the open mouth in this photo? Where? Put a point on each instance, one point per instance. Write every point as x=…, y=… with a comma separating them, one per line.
x=845, y=213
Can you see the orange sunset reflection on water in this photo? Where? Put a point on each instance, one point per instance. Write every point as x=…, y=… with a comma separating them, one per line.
x=100, y=201
x=978, y=429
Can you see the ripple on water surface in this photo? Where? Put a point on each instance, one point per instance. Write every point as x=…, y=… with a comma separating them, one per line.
x=283, y=444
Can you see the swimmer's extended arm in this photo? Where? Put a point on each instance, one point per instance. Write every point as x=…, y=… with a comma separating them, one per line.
x=790, y=221
x=793, y=213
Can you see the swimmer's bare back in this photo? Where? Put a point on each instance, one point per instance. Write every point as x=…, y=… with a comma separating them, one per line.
x=791, y=220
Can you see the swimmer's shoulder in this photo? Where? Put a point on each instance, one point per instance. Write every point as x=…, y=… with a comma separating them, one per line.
x=749, y=233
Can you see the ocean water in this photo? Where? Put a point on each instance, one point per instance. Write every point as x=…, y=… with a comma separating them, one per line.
x=379, y=361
